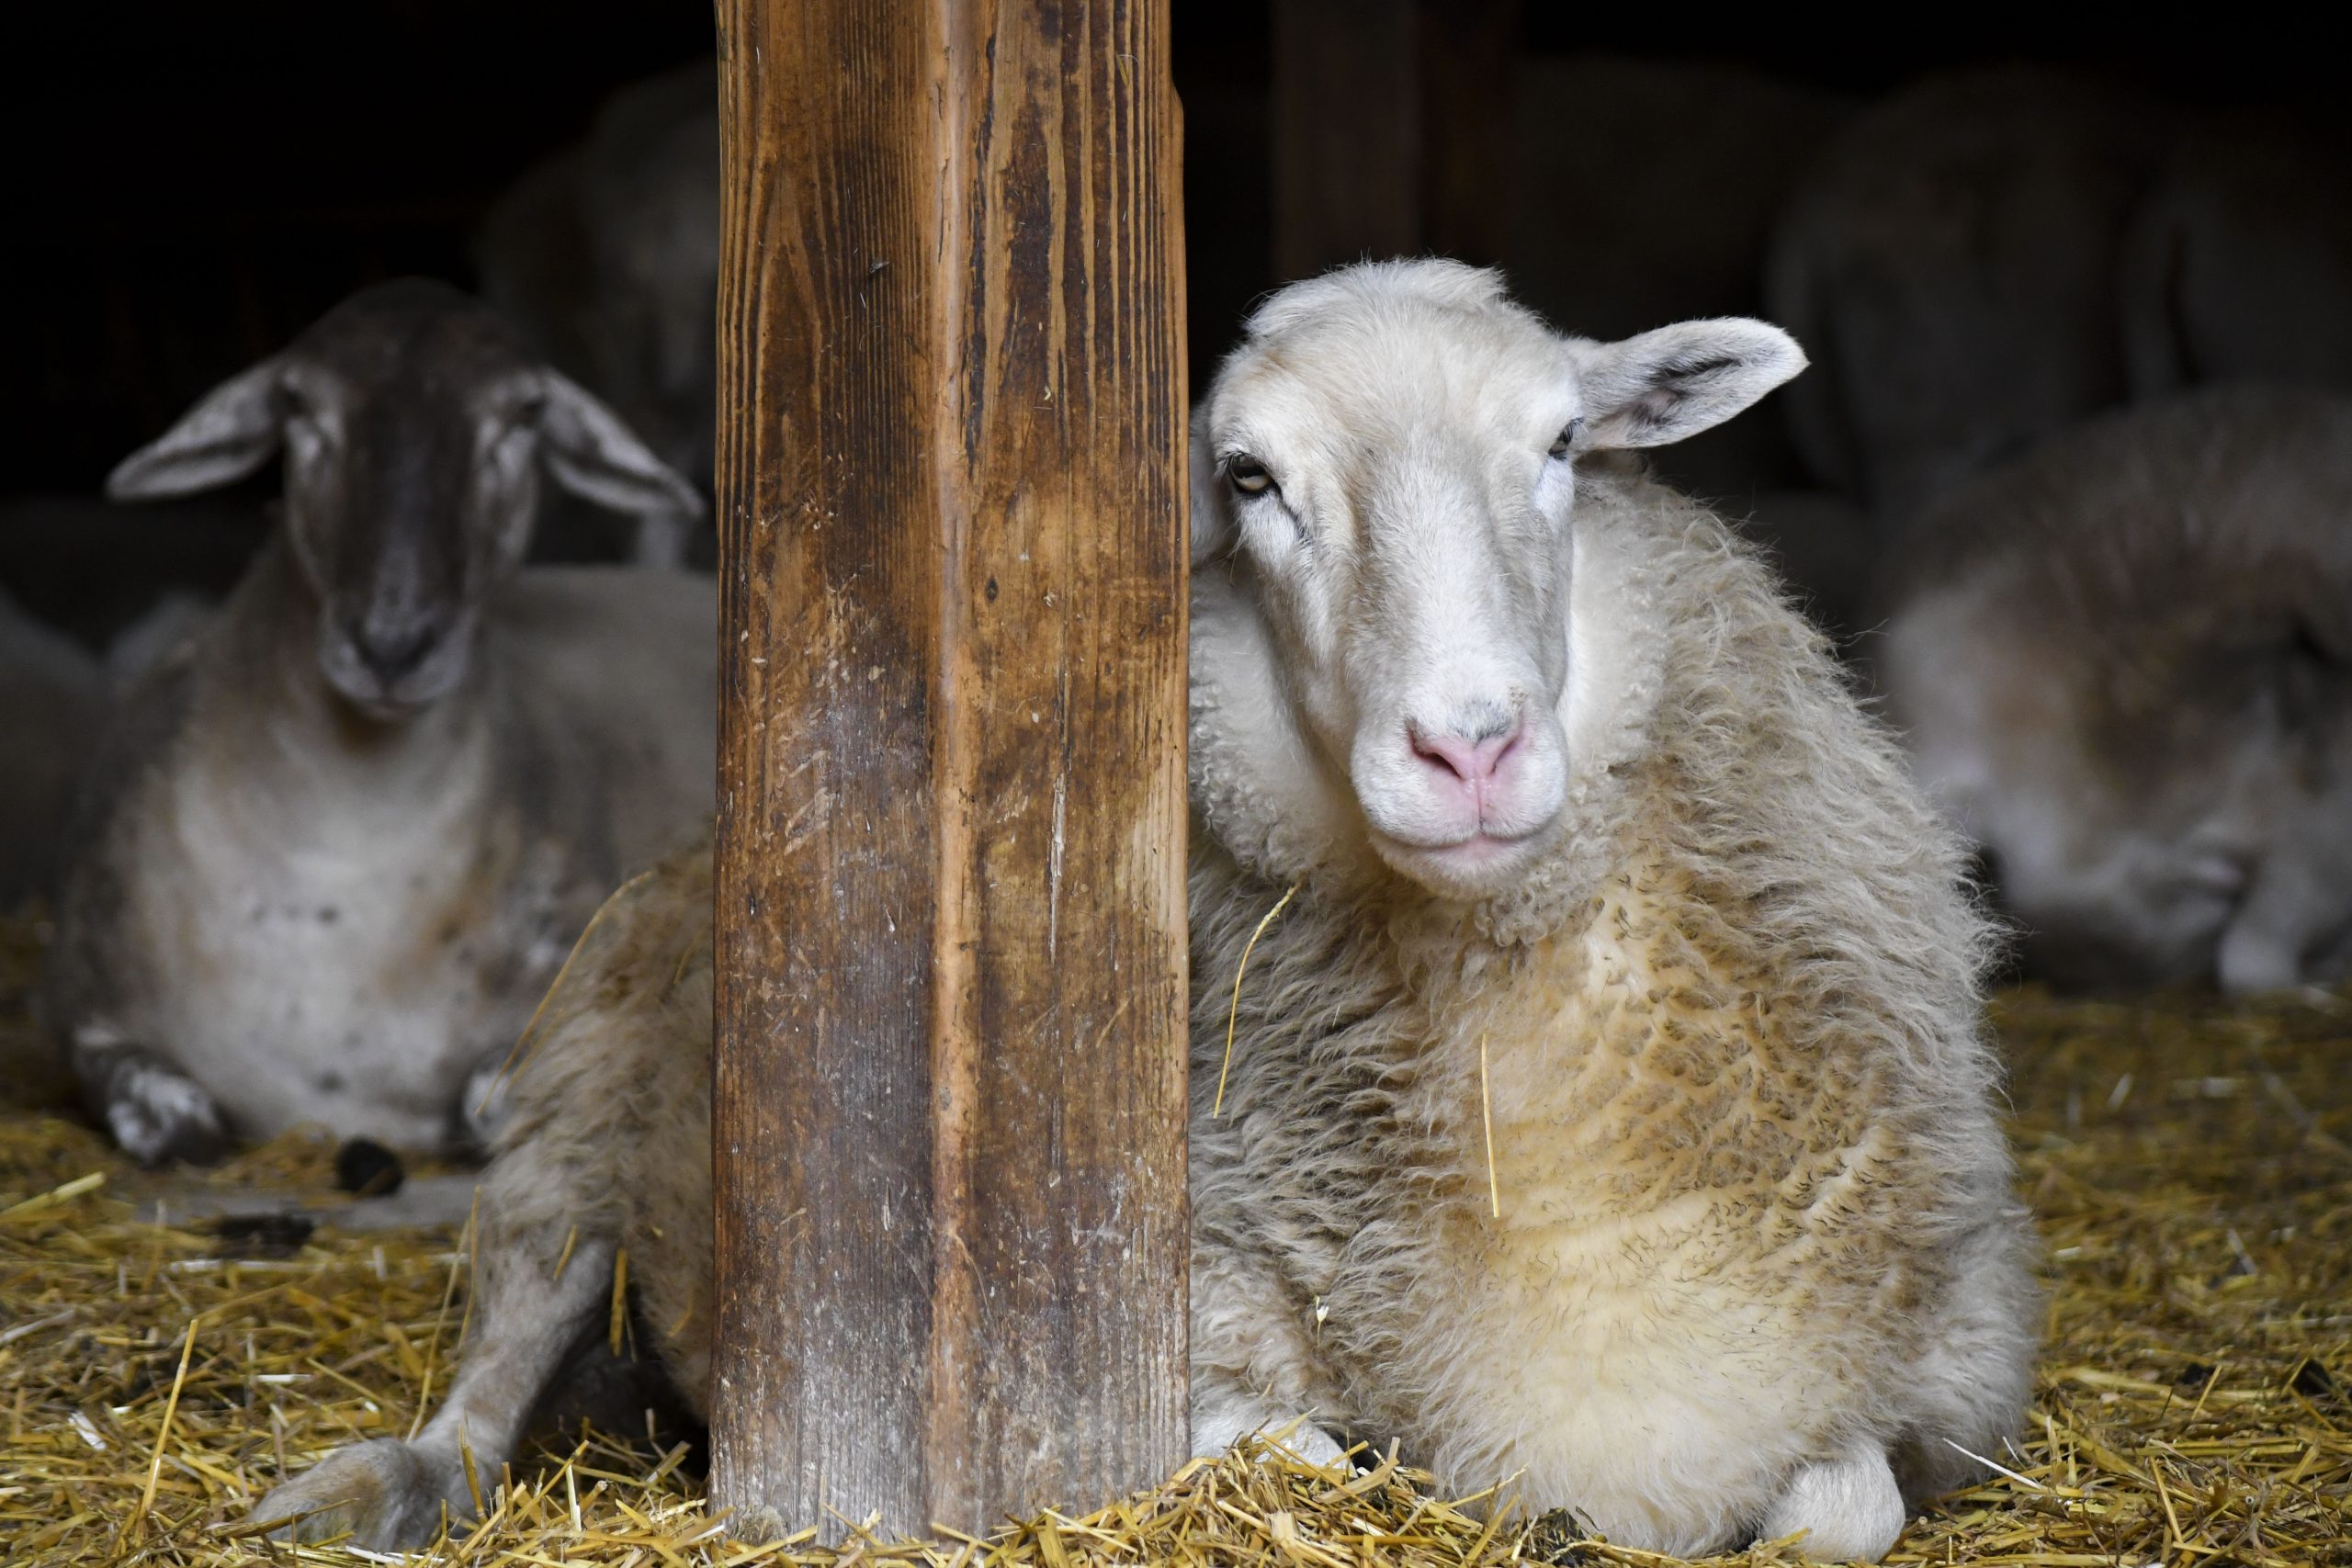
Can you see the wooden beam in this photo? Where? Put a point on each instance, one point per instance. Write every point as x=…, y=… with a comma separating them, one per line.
x=949, y=1087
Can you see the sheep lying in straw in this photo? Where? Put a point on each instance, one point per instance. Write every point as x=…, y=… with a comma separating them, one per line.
x=1575, y=810
x=2123, y=663
x=335, y=844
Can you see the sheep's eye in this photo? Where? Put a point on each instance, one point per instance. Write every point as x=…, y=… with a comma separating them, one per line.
x=1566, y=438
x=1248, y=475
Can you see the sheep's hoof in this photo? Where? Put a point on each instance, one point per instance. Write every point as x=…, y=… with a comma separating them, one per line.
x=1849, y=1509
x=384, y=1495
x=1296, y=1436
x=158, y=1114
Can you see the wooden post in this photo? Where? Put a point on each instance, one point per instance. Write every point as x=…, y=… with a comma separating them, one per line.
x=949, y=1086
x=1392, y=131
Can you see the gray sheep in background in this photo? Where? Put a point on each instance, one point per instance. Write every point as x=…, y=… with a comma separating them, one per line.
x=336, y=843
x=1567, y=794
x=1949, y=261
x=607, y=256
x=53, y=701
x=2123, y=664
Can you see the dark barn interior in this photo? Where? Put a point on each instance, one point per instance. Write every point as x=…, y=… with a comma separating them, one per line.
x=193, y=186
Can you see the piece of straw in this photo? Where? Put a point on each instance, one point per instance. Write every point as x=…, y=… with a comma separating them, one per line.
x=619, y=1323
x=1233, y=1014
x=564, y=1259
x=1486, y=1118
x=162, y=1436
x=441, y=1321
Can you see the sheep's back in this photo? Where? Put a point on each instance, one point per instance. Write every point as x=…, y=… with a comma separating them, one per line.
x=609, y=1121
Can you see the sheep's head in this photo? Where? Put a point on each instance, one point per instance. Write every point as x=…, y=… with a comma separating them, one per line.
x=415, y=428
x=1385, y=469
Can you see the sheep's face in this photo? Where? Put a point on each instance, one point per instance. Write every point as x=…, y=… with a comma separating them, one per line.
x=1388, y=462
x=413, y=430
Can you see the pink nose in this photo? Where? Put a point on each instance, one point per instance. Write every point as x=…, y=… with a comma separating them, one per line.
x=1473, y=762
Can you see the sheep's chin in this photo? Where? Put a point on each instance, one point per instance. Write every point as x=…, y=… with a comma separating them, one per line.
x=1478, y=867
x=395, y=701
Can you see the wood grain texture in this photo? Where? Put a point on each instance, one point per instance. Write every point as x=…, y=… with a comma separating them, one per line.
x=949, y=1091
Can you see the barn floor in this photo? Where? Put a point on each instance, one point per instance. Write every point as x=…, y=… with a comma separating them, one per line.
x=2191, y=1165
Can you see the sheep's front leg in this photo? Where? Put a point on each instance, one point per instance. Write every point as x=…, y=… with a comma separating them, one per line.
x=392, y=1495
x=1252, y=1368
x=1849, y=1508
x=155, y=1112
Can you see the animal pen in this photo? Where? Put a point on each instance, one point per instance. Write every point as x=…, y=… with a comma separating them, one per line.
x=952, y=1010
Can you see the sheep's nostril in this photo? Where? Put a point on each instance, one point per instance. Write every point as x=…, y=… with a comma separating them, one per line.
x=392, y=652
x=1503, y=747
x=1471, y=760
x=1443, y=752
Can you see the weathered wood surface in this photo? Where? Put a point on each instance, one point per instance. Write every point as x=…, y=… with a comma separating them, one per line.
x=1392, y=131
x=949, y=1097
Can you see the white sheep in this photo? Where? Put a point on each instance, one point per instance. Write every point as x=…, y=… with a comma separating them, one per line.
x=1585, y=828
x=1951, y=260
x=338, y=843
x=2123, y=664
x=1582, y=823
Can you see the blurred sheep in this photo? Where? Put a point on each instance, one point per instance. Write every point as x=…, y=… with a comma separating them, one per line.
x=339, y=836
x=2123, y=663
x=2239, y=265
x=1950, y=263
x=607, y=256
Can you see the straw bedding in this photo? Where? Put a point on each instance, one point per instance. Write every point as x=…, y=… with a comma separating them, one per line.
x=2190, y=1162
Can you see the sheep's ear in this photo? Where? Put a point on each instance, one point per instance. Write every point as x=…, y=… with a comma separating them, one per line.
x=1667, y=385
x=596, y=457
x=230, y=431
x=1212, y=513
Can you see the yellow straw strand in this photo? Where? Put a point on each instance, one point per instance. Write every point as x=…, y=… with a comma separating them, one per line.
x=162, y=1436
x=620, y=1297
x=1233, y=1015
x=1486, y=1116
x=571, y=1240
